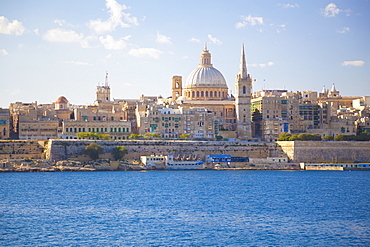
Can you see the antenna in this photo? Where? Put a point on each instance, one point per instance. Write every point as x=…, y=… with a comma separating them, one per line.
x=106, y=79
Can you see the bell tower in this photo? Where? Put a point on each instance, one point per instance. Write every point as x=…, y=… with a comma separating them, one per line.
x=243, y=88
x=103, y=92
x=176, y=87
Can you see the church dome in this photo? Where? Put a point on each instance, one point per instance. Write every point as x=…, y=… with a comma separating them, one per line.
x=205, y=75
x=61, y=100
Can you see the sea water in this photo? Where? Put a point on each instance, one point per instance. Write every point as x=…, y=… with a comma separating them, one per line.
x=185, y=208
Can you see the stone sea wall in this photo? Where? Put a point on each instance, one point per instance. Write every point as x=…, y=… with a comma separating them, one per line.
x=297, y=151
x=66, y=149
x=22, y=149
x=326, y=151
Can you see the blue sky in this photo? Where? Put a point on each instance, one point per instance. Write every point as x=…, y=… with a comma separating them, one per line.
x=54, y=48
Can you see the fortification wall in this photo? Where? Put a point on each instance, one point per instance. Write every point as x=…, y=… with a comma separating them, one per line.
x=326, y=151
x=65, y=149
x=21, y=149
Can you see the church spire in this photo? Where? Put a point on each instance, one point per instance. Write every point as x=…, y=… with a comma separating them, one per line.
x=243, y=66
x=333, y=88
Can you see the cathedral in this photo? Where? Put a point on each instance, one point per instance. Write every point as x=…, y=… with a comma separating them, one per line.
x=206, y=87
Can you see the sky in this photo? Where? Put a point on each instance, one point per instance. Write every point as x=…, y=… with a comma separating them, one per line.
x=64, y=48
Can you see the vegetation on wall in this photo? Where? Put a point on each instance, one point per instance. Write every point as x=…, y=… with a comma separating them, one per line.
x=118, y=152
x=151, y=135
x=135, y=136
x=94, y=136
x=364, y=136
x=93, y=150
x=184, y=136
x=301, y=137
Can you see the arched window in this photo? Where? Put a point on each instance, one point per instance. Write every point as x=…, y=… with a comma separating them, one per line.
x=193, y=94
x=223, y=95
x=206, y=93
x=197, y=93
x=202, y=94
x=210, y=94
x=219, y=94
x=177, y=85
x=244, y=89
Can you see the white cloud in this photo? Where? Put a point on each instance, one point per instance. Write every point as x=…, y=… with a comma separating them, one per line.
x=108, y=56
x=4, y=52
x=86, y=42
x=60, y=22
x=143, y=52
x=14, y=27
x=261, y=65
x=344, y=30
x=214, y=40
x=331, y=10
x=194, y=40
x=115, y=19
x=353, y=63
x=163, y=39
x=250, y=21
x=61, y=35
x=79, y=63
x=110, y=44
x=36, y=31
x=288, y=5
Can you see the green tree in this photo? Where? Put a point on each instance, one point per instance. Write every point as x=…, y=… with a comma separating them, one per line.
x=219, y=138
x=135, y=136
x=88, y=135
x=184, y=136
x=328, y=138
x=284, y=136
x=118, y=152
x=294, y=138
x=93, y=150
x=339, y=138
x=151, y=135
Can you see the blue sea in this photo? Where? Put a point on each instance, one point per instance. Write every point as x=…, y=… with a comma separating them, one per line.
x=185, y=208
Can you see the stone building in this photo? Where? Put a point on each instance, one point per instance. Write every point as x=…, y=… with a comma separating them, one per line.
x=278, y=111
x=4, y=124
x=39, y=129
x=170, y=122
x=206, y=87
x=118, y=130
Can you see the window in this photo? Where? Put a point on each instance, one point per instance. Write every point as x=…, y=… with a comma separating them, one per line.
x=244, y=89
x=112, y=118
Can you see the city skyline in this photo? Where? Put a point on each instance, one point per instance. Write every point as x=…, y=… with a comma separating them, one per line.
x=49, y=49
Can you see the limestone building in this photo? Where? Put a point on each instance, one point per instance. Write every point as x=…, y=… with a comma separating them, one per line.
x=170, y=122
x=206, y=87
x=118, y=130
x=4, y=124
